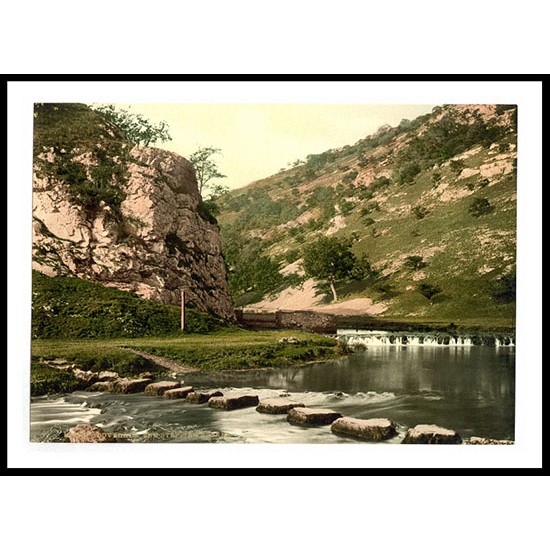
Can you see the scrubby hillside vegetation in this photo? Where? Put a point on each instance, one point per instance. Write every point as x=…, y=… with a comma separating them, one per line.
x=67, y=307
x=430, y=205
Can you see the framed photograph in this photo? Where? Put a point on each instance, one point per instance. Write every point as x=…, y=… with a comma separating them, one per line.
x=341, y=274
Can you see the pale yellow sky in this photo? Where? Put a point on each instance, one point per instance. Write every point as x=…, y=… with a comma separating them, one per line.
x=258, y=140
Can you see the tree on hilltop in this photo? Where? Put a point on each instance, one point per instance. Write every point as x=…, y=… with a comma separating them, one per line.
x=137, y=129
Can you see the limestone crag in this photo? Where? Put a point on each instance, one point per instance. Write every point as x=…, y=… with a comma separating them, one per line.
x=160, y=241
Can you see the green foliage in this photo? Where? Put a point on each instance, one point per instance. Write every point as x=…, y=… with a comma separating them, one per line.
x=207, y=170
x=446, y=138
x=67, y=129
x=420, y=212
x=323, y=198
x=457, y=166
x=67, y=126
x=349, y=177
x=436, y=179
x=379, y=183
x=315, y=163
x=66, y=307
x=407, y=171
x=414, y=263
x=480, y=207
x=346, y=207
x=362, y=270
x=47, y=380
x=208, y=210
x=429, y=291
x=137, y=129
x=503, y=290
x=260, y=274
x=329, y=258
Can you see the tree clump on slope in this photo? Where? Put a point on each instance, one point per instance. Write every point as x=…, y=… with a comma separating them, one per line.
x=137, y=129
x=330, y=259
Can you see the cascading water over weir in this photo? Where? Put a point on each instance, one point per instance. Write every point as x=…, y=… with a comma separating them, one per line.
x=365, y=338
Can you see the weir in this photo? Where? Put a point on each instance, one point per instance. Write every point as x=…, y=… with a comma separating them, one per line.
x=359, y=337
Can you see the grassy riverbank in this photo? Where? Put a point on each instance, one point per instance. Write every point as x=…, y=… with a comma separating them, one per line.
x=229, y=349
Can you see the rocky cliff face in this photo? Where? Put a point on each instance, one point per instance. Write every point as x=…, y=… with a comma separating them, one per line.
x=154, y=240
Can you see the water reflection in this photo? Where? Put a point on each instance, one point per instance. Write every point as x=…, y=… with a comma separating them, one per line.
x=469, y=389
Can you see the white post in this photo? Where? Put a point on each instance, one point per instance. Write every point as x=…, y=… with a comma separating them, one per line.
x=182, y=310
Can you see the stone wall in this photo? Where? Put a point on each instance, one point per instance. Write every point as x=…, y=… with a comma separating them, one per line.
x=309, y=321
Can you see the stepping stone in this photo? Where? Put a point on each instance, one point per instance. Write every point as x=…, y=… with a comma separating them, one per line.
x=431, y=434
x=121, y=385
x=231, y=403
x=86, y=433
x=373, y=429
x=101, y=386
x=107, y=376
x=178, y=393
x=277, y=405
x=488, y=441
x=158, y=388
x=85, y=376
x=306, y=416
x=202, y=397
x=130, y=385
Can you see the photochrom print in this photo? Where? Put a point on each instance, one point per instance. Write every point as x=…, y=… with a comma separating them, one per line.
x=273, y=273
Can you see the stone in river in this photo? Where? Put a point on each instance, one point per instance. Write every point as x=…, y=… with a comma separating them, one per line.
x=86, y=433
x=277, y=405
x=306, y=416
x=488, y=441
x=202, y=397
x=231, y=403
x=373, y=429
x=87, y=377
x=130, y=385
x=121, y=385
x=178, y=393
x=107, y=376
x=431, y=434
x=158, y=388
x=102, y=386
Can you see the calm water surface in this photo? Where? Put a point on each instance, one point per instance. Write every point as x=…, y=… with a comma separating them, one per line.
x=469, y=389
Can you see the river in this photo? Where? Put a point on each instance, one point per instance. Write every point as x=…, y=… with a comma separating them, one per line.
x=470, y=389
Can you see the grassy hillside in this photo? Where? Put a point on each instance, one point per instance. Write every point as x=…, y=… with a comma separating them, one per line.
x=431, y=201
x=66, y=307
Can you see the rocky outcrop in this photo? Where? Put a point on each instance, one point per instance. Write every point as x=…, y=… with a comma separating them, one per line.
x=373, y=429
x=232, y=403
x=277, y=405
x=306, y=416
x=158, y=388
x=86, y=433
x=157, y=241
x=431, y=434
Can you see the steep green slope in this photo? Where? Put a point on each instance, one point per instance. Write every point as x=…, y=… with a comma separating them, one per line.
x=66, y=307
x=431, y=201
